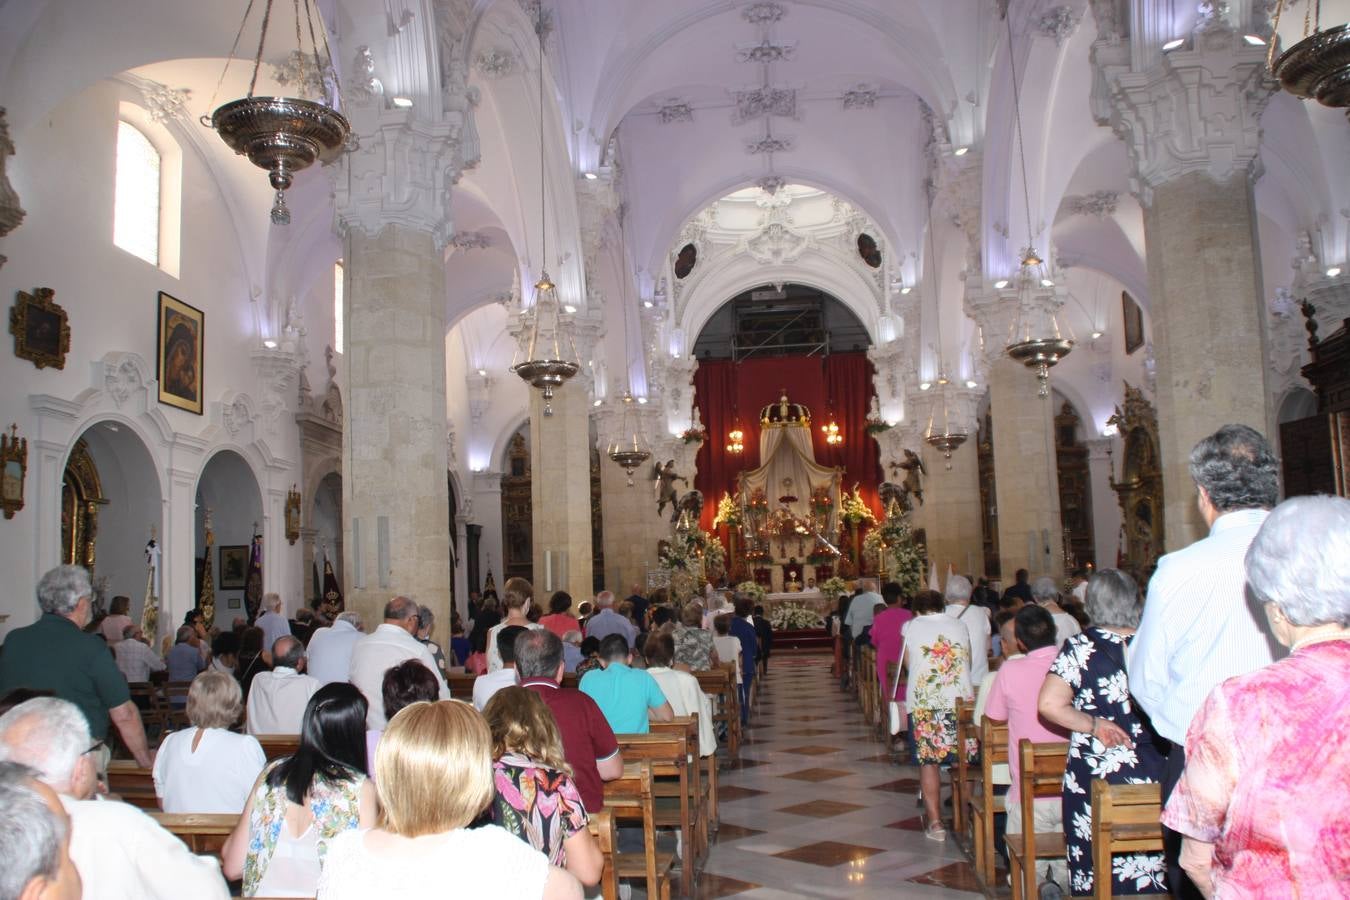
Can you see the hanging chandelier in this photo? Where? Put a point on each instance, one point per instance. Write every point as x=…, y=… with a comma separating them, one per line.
x=547, y=366
x=284, y=135
x=630, y=451
x=1318, y=66
x=1036, y=341
x=946, y=440
x=832, y=435
x=736, y=441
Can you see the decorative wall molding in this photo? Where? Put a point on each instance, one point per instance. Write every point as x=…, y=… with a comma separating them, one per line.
x=470, y=240
x=766, y=51
x=11, y=213
x=165, y=103
x=763, y=13
x=770, y=144
x=1059, y=23
x=861, y=96
x=497, y=62
x=1098, y=204
x=769, y=100
x=674, y=109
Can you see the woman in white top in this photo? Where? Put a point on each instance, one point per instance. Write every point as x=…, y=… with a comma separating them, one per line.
x=516, y=598
x=937, y=655
x=208, y=768
x=727, y=645
x=435, y=776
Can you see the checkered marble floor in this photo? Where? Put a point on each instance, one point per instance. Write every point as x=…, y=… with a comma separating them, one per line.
x=816, y=808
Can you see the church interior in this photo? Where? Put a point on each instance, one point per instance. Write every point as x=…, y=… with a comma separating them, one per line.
x=652, y=295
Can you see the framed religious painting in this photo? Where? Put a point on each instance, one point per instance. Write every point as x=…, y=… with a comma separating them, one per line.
x=40, y=328
x=1134, y=323
x=181, y=345
x=233, y=566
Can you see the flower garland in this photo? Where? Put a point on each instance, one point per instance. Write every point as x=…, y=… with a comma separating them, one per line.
x=833, y=587
x=903, y=563
x=694, y=435
x=855, y=510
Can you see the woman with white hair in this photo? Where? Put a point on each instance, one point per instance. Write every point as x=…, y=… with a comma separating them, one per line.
x=208, y=768
x=1262, y=802
x=1046, y=594
x=1087, y=693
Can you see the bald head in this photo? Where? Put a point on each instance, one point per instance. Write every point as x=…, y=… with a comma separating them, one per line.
x=402, y=611
x=604, y=599
x=288, y=651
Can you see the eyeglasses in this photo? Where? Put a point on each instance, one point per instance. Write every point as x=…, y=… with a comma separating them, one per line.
x=97, y=745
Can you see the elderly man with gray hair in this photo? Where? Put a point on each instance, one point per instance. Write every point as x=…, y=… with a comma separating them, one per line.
x=55, y=654
x=976, y=620
x=118, y=849
x=392, y=642
x=1046, y=594
x=273, y=623
x=607, y=621
x=277, y=699
x=34, y=840
x=1197, y=630
x=330, y=649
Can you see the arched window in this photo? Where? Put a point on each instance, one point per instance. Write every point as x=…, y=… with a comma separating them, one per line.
x=136, y=206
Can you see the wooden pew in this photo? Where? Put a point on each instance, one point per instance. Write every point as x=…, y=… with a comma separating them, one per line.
x=276, y=746
x=629, y=799
x=204, y=834
x=963, y=776
x=133, y=784
x=984, y=805
x=700, y=792
x=606, y=835
x=1041, y=774
x=1124, y=820
x=673, y=805
x=720, y=685
x=461, y=685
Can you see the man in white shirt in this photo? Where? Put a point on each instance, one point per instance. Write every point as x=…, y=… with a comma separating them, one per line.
x=277, y=699
x=976, y=621
x=330, y=649
x=389, y=644
x=1198, y=629
x=120, y=852
x=135, y=659
x=1046, y=594
x=484, y=686
x=861, y=608
x=273, y=623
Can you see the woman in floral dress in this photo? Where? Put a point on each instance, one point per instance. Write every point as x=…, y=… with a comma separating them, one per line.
x=1087, y=692
x=535, y=796
x=937, y=654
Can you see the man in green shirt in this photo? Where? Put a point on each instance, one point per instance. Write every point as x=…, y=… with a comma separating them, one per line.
x=55, y=654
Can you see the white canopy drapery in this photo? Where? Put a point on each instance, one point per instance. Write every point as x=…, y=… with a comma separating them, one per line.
x=790, y=469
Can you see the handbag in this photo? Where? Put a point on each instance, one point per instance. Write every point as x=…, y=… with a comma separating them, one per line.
x=896, y=708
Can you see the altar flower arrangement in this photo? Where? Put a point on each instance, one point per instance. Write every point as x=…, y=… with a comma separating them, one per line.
x=694, y=435
x=728, y=513
x=794, y=616
x=903, y=563
x=833, y=587
x=855, y=510
x=753, y=590
x=714, y=554
x=821, y=501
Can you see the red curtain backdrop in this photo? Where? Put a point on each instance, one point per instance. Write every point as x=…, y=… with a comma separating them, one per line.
x=726, y=393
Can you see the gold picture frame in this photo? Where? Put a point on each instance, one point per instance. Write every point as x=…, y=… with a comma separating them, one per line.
x=41, y=329
x=13, y=470
x=180, y=349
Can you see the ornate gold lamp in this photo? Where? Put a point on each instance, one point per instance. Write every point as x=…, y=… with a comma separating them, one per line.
x=1317, y=67
x=284, y=135
x=630, y=450
x=946, y=440
x=736, y=441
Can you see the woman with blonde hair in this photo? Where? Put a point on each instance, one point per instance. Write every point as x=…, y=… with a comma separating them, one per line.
x=518, y=593
x=434, y=771
x=208, y=768
x=694, y=651
x=536, y=798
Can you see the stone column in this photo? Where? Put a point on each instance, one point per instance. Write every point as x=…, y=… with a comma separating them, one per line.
x=1105, y=501
x=560, y=492
x=632, y=526
x=1030, y=533
x=487, y=512
x=1191, y=123
x=393, y=207
x=308, y=537
x=950, y=515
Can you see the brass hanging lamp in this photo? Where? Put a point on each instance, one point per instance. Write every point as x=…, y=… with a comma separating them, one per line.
x=630, y=450
x=1318, y=66
x=284, y=135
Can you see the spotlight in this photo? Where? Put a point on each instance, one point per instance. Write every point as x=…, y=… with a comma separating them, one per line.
x=569, y=309
x=647, y=304
x=1046, y=282
x=1000, y=284
x=960, y=151
x=642, y=399
x=597, y=403
x=401, y=102
x=1096, y=334
x=591, y=176
x=971, y=384
x=906, y=289
x=1333, y=271
x=1173, y=44
x=270, y=345
x=1254, y=39
x=482, y=373
x=925, y=385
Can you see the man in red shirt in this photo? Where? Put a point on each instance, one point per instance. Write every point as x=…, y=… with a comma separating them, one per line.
x=588, y=742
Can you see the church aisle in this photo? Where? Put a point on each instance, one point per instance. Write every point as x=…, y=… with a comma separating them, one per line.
x=815, y=808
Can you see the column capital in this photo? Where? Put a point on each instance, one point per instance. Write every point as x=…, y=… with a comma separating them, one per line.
x=1196, y=108
x=487, y=482
x=1099, y=448
x=402, y=170
x=996, y=309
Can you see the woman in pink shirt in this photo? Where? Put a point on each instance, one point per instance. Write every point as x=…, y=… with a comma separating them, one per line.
x=560, y=619
x=1262, y=801
x=885, y=635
